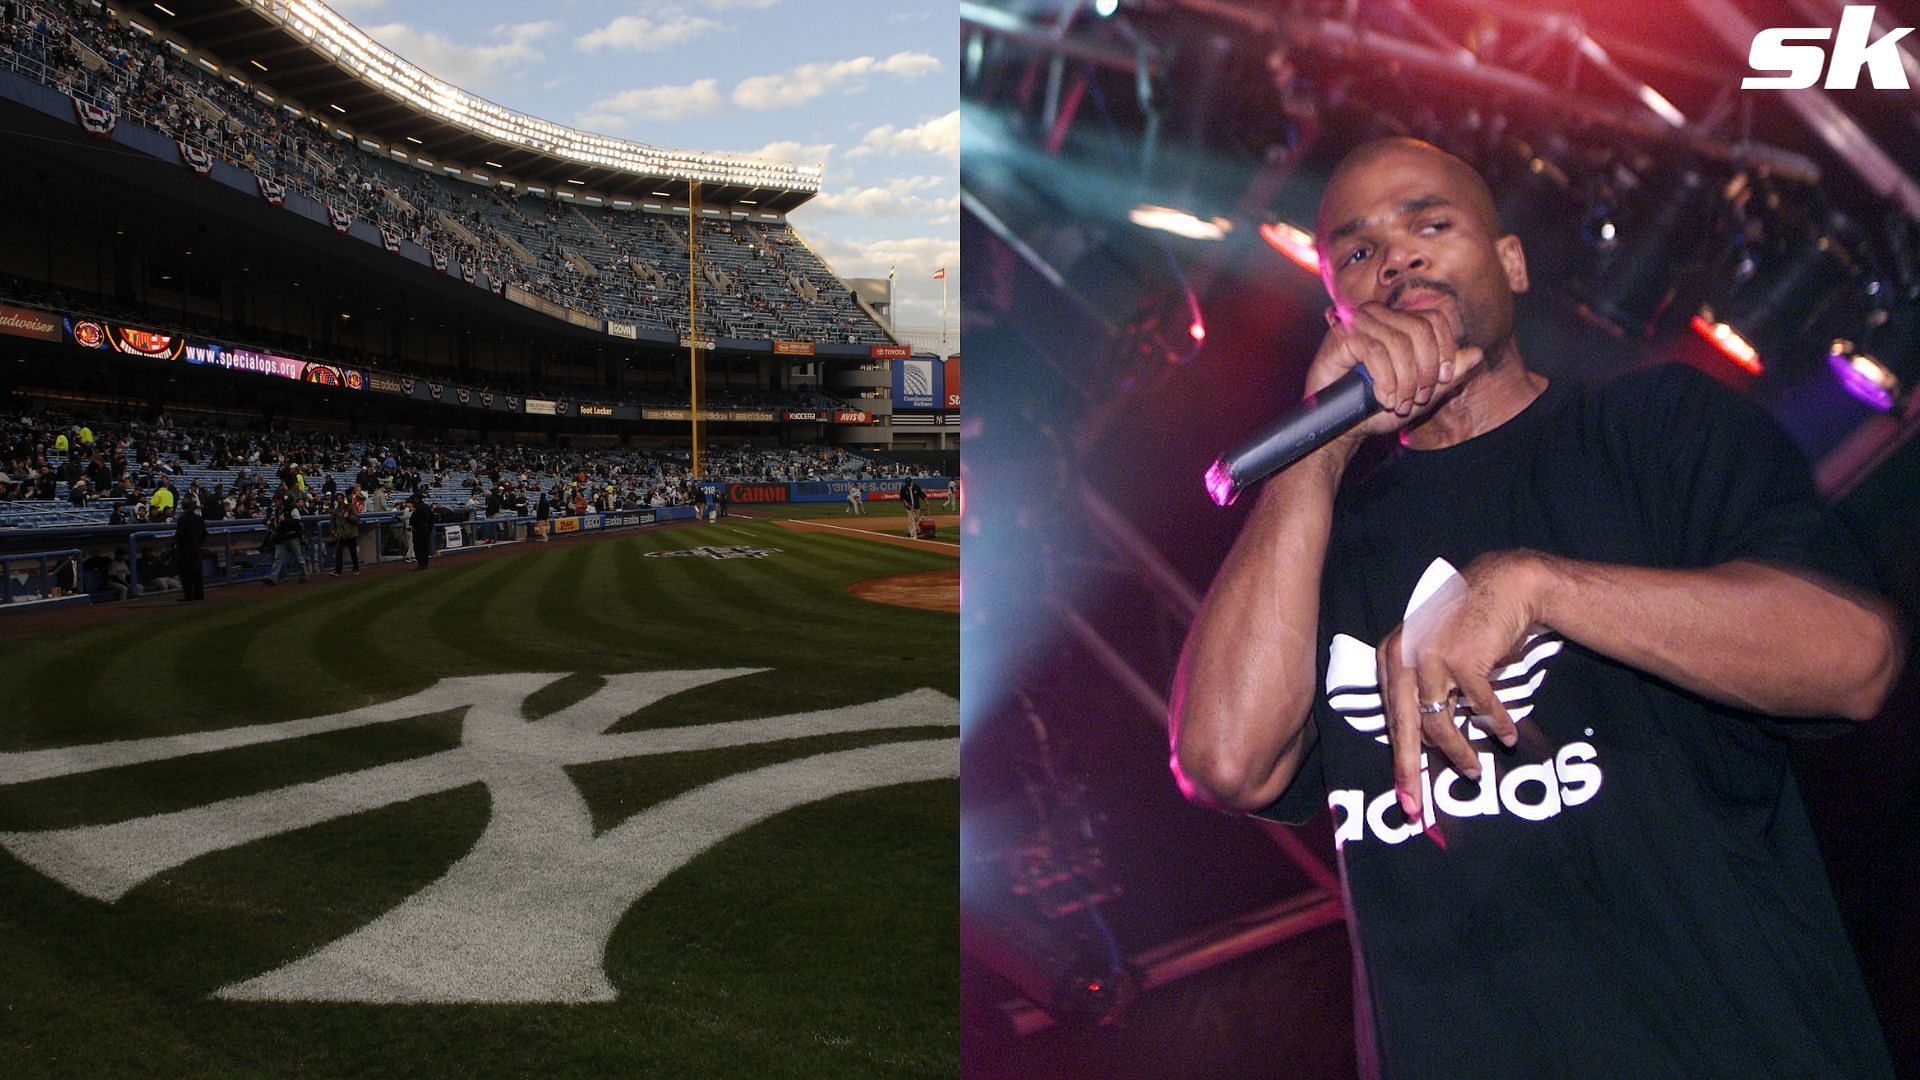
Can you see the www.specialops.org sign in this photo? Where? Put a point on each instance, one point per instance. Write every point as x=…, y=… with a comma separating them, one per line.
x=525, y=916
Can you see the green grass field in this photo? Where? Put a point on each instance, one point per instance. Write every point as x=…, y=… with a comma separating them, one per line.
x=380, y=898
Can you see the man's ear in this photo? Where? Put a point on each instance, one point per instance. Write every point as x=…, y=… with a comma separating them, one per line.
x=1513, y=261
x=1333, y=316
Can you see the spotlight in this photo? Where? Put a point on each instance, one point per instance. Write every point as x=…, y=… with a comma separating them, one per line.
x=1179, y=222
x=1105, y=8
x=1293, y=242
x=1759, y=321
x=1869, y=367
x=1645, y=259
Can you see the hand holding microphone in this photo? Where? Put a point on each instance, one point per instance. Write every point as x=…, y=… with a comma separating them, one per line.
x=1377, y=370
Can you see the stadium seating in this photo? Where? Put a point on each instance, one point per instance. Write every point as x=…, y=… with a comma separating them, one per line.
x=760, y=281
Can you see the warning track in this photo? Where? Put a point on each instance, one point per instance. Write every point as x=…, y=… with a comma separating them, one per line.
x=892, y=533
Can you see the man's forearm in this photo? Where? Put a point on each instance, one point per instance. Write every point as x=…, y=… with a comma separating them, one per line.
x=1242, y=694
x=1743, y=633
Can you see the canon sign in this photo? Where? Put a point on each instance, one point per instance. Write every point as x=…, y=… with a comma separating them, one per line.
x=1774, y=50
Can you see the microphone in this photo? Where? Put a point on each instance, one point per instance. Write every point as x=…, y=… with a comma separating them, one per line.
x=1315, y=422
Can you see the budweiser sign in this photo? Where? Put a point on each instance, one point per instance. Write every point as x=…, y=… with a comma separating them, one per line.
x=29, y=324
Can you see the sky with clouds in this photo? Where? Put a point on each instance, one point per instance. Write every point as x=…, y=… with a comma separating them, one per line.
x=868, y=89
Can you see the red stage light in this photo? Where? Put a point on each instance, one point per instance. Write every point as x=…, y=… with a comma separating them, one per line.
x=1293, y=242
x=1729, y=343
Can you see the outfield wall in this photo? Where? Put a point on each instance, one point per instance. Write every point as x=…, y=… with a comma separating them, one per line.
x=826, y=491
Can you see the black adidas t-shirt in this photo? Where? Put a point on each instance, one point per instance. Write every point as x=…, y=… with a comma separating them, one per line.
x=1634, y=890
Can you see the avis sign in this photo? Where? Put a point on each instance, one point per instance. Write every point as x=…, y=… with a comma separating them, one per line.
x=1776, y=50
x=525, y=916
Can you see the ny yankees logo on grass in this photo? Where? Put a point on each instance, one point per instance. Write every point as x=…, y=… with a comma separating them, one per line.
x=1353, y=680
x=526, y=914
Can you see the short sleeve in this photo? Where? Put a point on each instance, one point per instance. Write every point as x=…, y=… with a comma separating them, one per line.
x=1722, y=481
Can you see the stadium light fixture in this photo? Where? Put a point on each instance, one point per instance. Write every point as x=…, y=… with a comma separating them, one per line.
x=582, y=183
x=337, y=109
x=258, y=64
x=415, y=141
x=353, y=50
x=663, y=194
x=208, y=64
x=165, y=10
x=495, y=164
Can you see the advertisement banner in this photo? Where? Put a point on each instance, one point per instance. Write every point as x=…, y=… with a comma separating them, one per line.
x=889, y=352
x=100, y=335
x=804, y=415
x=623, y=330
x=29, y=324
x=450, y=537
x=852, y=416
x=687, y=342
x=953, y=382
x=539, y=407
x=916, y=384
x=588, y=408
x=566, y=525
x=386, y=384
x=758, y=415
x=666, y=414
x=823, y=491
x=756, y=493
x=793, y=348
x=281, y=367
x=581, y=318
x=626, y=519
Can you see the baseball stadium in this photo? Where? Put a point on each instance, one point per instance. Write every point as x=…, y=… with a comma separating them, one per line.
x=481, y=595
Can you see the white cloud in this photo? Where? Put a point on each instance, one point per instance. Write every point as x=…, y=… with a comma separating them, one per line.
x=652, y=103
x=467, y=66
x=916, y=258
x=741, y=5
x=793, y=150
x=348, y=7
x=897, y=198
x=940, y=135
x=809, y=81
x=640, y=33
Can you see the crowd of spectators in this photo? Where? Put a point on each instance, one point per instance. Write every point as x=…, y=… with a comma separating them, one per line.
x=760, y=282
x=147, y=470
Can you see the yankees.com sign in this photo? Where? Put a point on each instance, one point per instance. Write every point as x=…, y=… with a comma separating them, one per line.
x=525, y=916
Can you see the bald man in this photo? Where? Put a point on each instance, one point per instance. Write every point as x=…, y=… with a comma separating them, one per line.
x=1542, y=666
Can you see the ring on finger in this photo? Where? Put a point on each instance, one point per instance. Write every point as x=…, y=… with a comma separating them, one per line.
x=1432, y=708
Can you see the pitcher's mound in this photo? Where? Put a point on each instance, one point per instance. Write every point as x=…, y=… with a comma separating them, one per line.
x=934, y=590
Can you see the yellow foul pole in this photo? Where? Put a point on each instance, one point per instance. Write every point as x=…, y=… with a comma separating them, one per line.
x=693, y=315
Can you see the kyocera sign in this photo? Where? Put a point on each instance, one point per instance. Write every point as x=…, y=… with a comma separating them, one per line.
x=1798, y=66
